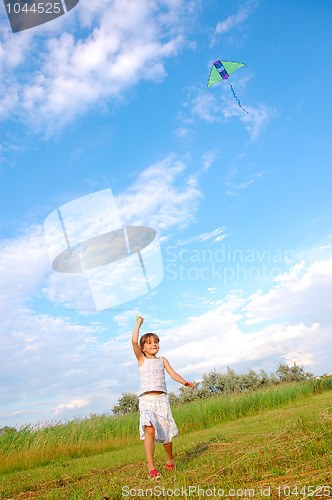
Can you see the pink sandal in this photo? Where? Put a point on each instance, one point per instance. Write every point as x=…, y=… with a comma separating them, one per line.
x=170, y=467
x=154, y=474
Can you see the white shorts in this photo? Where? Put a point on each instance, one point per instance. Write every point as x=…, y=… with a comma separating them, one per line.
x=155, y=410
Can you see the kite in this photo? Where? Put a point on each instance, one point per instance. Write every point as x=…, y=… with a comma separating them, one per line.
x=221, y=70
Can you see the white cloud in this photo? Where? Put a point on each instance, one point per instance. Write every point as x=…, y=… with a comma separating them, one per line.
x=72, y=405
x=233, y=188
x=37, y=351
x=23, y=263
x=219, y=109
x=301, y=292
x=236, y=19
x=297, y=315
x=257, y=119
x=54, y=367
x=13, y=49
x=216, y=340
x=206, y=107
x=300, y=358
x=216, y=235
x=161, y=197
x=127, y=42
x=208, y=159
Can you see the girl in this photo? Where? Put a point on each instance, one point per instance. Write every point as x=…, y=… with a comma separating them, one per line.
x=156, y=419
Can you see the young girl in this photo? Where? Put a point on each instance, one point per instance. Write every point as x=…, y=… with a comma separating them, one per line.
x=156, y=419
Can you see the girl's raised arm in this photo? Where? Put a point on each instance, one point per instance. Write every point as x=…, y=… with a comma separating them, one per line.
x=134, y=338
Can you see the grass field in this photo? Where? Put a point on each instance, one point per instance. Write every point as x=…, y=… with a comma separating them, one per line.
x=273, y=443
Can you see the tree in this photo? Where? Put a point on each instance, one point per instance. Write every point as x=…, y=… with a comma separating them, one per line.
x=292, y=374
x=173, y=398
x=187, y=394
x=231, y=382
x=267, y=381
x=128, y=403
x=249, y=380
x=210, y=383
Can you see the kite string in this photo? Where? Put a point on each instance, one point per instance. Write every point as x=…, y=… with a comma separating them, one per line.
x=238, y=100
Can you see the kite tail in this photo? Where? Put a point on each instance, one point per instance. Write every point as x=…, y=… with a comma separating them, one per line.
x=238, y=100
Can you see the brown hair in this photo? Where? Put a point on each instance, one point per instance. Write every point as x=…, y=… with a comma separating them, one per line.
x=146, y=337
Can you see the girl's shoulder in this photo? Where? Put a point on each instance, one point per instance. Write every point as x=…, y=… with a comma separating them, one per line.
x=164, y=360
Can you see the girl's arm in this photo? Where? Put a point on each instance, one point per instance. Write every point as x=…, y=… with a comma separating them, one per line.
x=134, y=338
x=175, y=376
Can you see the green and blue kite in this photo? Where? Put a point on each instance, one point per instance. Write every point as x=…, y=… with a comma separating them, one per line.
x=221, y=70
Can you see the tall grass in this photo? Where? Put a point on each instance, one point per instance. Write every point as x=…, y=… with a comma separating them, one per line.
x=206, y=413
x=97, y=434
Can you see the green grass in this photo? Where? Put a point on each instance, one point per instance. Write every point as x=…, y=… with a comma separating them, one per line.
x=275, y=437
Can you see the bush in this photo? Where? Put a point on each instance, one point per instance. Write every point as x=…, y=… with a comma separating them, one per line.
x=292, y=374
x=128, y=403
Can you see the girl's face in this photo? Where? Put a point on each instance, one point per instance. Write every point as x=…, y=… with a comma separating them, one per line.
x=151, y=346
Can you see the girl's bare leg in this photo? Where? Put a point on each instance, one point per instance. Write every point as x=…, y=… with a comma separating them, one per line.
x=169, y=453
x=149, y=446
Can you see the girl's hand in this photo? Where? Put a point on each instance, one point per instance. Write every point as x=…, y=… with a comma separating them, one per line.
x=139, y=320
x=189, y=384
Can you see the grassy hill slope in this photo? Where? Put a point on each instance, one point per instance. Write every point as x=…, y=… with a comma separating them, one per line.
x=274, y=443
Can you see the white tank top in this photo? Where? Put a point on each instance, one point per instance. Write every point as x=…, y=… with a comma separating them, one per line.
x=152, y=376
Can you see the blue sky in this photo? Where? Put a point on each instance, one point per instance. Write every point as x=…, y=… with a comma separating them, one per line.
x=114, y=95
